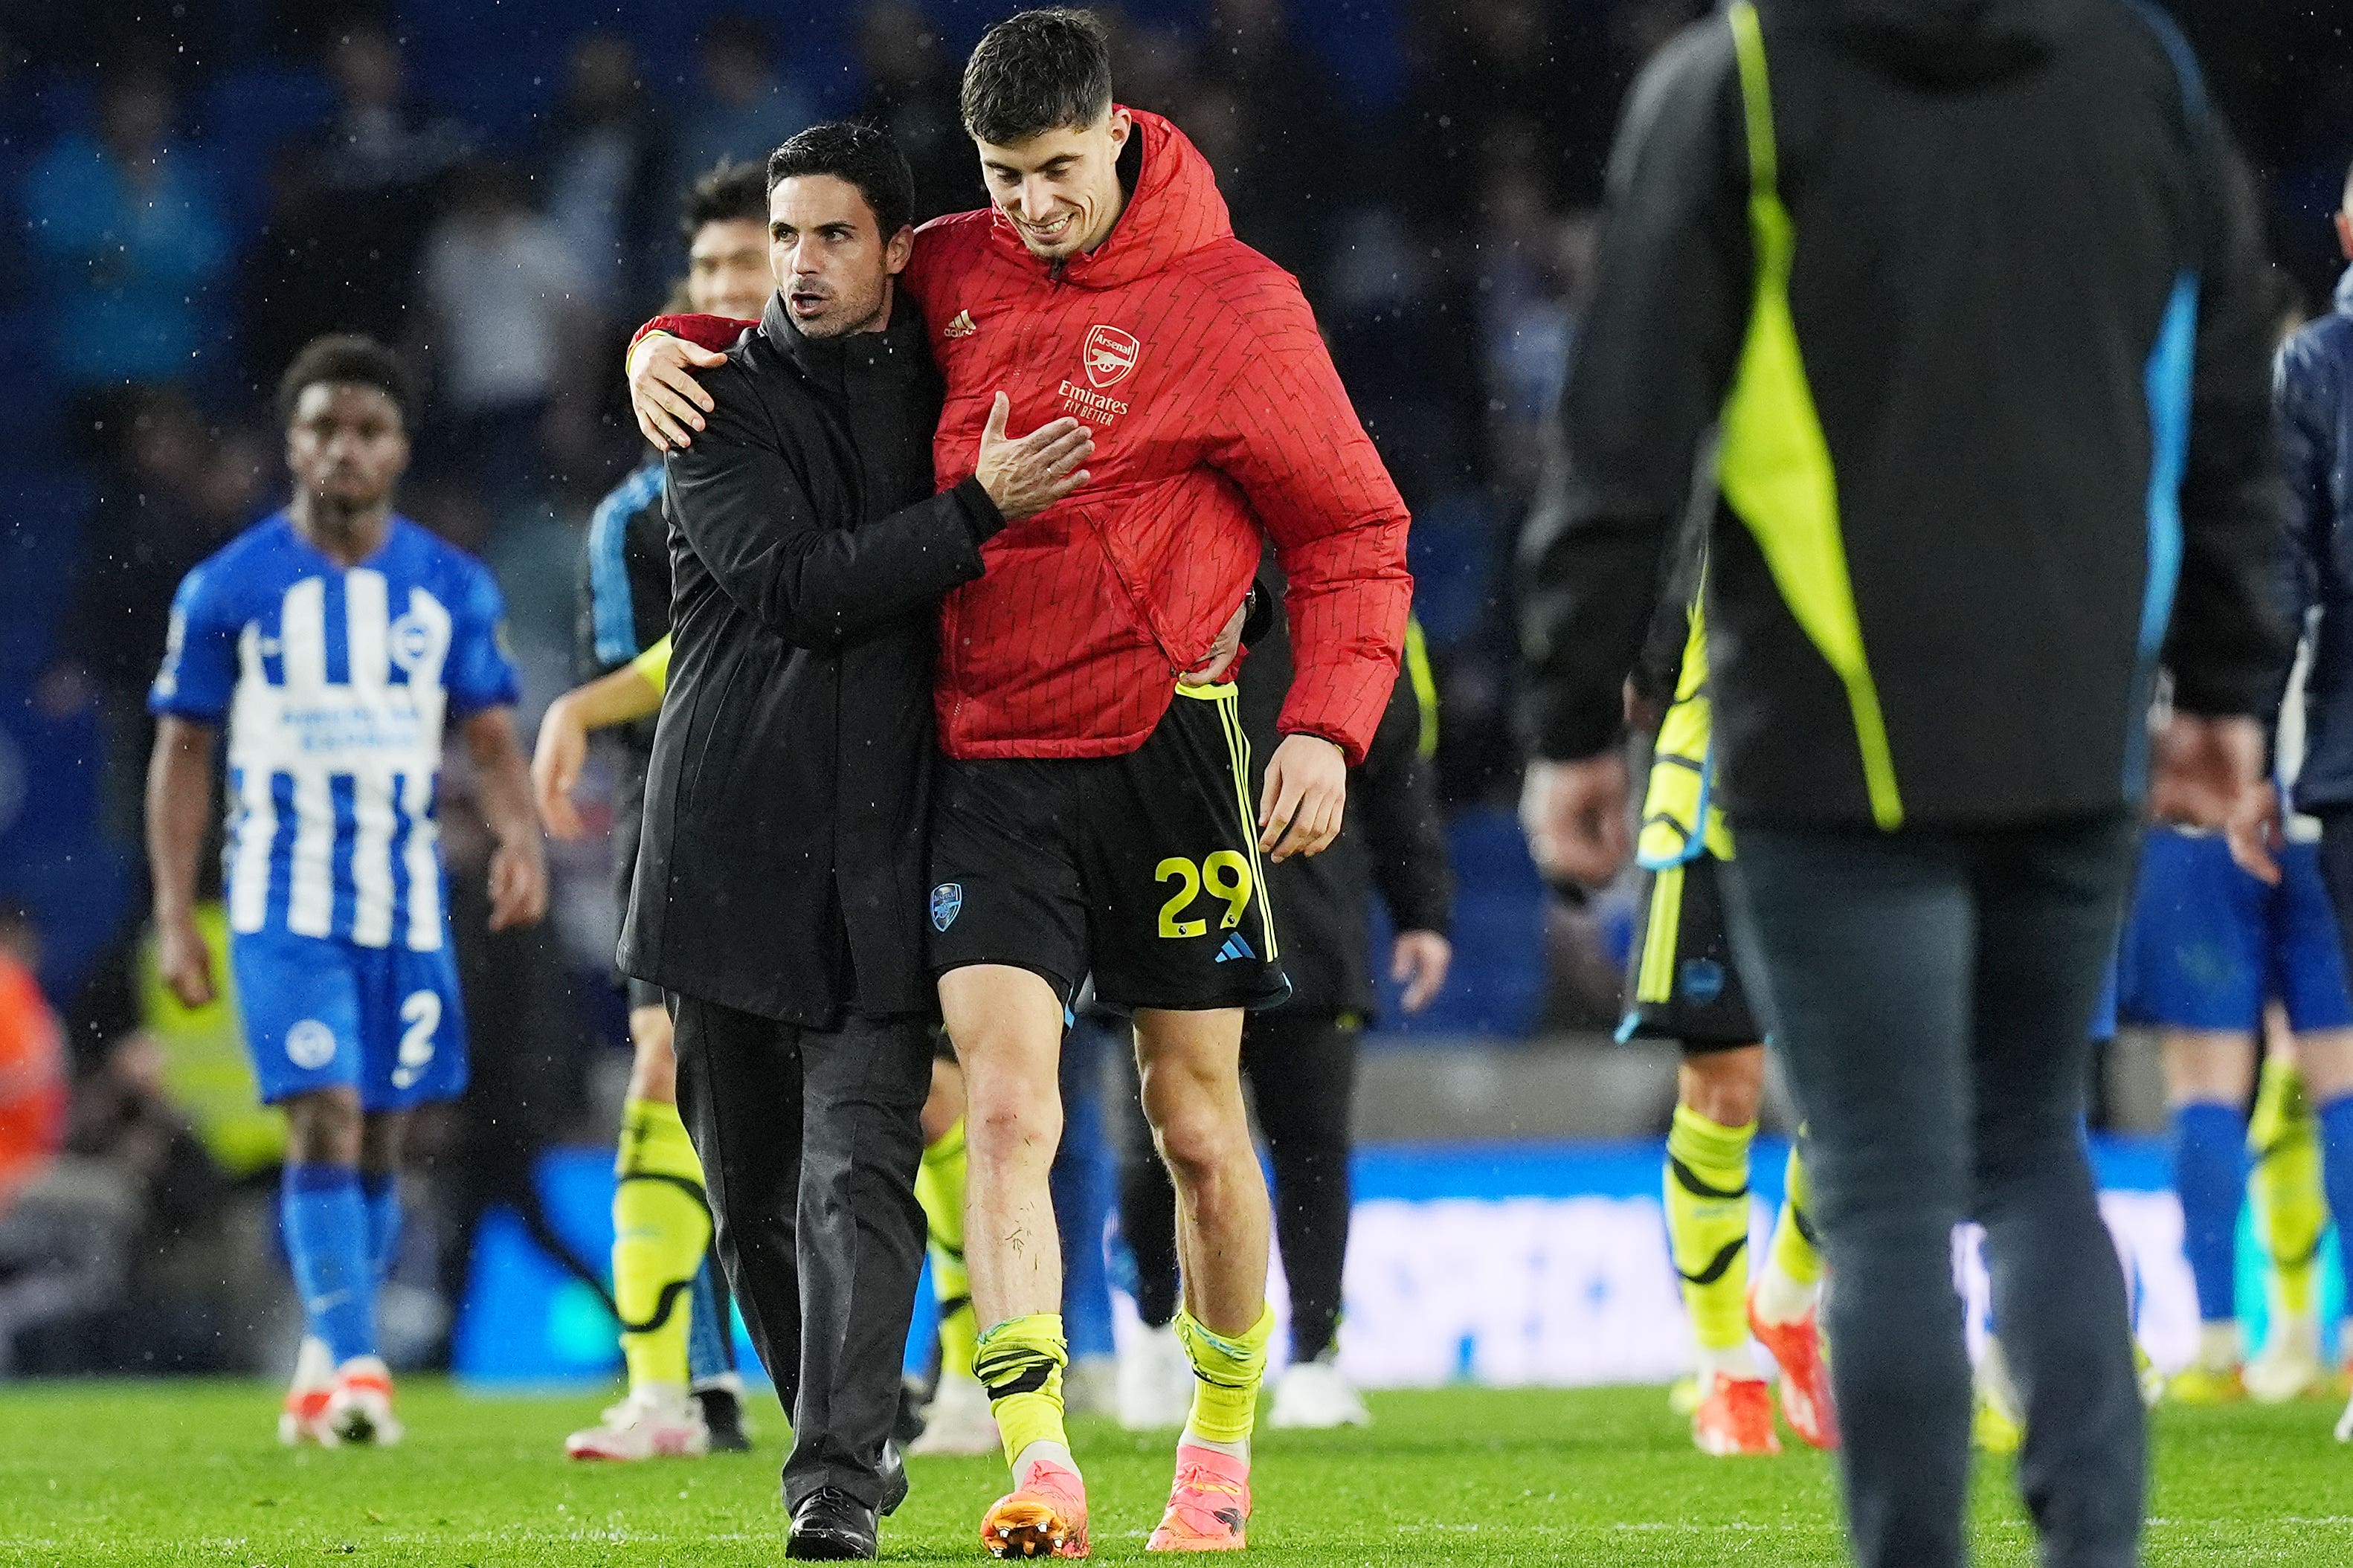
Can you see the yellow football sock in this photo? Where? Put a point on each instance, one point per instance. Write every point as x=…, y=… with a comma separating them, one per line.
x=1796, y=1256
x=1226, y=1376
x=661, y=1230
x=1707, y=1226
x=939, y=1188
x=1021, y=1359
x=2283, y=1188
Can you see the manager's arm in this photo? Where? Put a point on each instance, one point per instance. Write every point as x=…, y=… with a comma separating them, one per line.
x=744, y=508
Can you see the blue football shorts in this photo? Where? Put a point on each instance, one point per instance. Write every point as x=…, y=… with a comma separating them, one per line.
x=2208, y=945
x=322, y=1013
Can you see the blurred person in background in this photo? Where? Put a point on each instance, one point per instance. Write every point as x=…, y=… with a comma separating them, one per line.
x=911, y=93
x=1931, y=700
x=745, y=104
x=606, y=165
x=350, y=210
x=511, y=328
x=683, y=1398
x=2312, y=389
x=129, y=245
x=338, y=640
x=175, y=489
x=1301, y=1058
x=32, y=1062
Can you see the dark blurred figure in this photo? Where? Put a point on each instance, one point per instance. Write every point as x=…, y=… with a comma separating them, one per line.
x=745, y=106
x=528, y=1071
x=508, y=332
x=129, y=245
x=606, y=164
x=1268, y=115
x=1496, y=82
x=911, y=93
x=171, y=492
x=349, y=212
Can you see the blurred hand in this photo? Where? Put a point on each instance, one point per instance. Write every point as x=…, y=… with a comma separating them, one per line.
x=1643, y=715
x=1575, y=815
x=1222, y=652
x=1305, y=798
x=518, y=884
x=184, y=962
x=1419, y=960
x=2207, y=772
x=1025, y=477
x=555, y=764
x=668, y=402
x=2255, y=835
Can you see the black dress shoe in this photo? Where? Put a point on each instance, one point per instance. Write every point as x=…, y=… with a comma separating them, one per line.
x=894, y=1479
x=831, y=1526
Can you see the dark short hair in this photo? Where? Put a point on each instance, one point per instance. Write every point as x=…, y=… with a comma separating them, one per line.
x=347, y=359
x=729, y=192
x=862, y=155
x=1036, y=71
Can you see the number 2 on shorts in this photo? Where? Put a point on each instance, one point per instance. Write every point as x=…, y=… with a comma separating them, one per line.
x=422, y=1014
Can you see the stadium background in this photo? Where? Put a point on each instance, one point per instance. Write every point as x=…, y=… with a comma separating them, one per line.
x=189, y=195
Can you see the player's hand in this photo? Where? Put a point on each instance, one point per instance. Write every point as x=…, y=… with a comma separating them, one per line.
x=184, y=962
x=2255, y=835
x=1025, y=477
x=1419, y=960
x=1575, y=816
x=555, y=764
x=668, y=402
x=1306, y=796
x=518, y=884
x=1222, y=652
x=2207, y=772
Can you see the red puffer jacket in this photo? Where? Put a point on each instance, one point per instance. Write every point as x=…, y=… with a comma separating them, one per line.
x=1216, y=411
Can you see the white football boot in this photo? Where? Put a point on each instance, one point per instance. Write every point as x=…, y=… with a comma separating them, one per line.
x=303, y=1418
x=957, y=1421
x=655, y=1421
x=1317, y=1394
x=1156, y=1382
x=360, y=1408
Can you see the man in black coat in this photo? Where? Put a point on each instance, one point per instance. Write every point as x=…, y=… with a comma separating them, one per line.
x=781, y=874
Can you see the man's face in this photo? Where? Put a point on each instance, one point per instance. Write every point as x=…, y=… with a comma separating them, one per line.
x=1060, y=187
x=346, y=443
x=829, y=257
x=727, y=269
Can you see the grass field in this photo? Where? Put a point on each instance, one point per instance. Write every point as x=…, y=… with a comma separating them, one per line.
x=191, y=1472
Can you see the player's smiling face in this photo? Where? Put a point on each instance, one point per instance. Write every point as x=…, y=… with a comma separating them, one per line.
x=1060, y=187
x=829, y=258
x=727, y=269
x=346, y=443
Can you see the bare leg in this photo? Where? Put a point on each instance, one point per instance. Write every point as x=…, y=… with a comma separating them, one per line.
x=1191, y=1064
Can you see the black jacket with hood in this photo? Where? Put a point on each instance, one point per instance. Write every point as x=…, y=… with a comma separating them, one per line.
x=781, y=868
x=2029, y=308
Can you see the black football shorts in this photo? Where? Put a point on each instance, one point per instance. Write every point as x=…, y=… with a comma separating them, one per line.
x=1140, y=870
x=1684, y=985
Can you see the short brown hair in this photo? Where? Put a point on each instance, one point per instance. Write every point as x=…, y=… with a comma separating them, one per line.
x=1036, y=71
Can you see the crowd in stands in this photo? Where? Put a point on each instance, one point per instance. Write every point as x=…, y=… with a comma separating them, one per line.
x=192, y=193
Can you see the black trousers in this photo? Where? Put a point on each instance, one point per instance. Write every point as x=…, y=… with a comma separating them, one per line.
x=1930, y=992
x=1301, y=1068
x=809, y=1139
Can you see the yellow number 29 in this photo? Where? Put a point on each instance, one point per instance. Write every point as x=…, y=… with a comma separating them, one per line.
x=1224, y=874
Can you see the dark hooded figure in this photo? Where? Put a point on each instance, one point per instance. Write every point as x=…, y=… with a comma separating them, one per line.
x=1973, y=293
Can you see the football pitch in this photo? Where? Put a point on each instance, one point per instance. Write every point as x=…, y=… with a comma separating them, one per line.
x=191, y=1472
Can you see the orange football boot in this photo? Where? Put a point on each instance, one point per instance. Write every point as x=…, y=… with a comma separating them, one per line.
x=1208, y=1503
x=1735, y=1417
x=1797, y=1347
x=1044, y=1516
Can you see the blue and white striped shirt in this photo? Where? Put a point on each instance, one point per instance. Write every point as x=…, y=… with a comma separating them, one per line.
x=336, y=685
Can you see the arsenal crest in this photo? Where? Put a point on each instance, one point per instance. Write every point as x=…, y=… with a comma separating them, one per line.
x=947, y=902
x=1111, y=355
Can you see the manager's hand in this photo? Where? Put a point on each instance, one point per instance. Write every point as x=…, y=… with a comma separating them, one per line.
x=1025, y=477
x=1222, y=652
x=668, y=402
x=1575, y=816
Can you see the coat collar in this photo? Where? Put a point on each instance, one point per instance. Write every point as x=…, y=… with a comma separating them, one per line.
x=829, y=361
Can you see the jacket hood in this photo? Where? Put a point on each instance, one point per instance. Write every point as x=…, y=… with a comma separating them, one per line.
x=1174, y=210
x=1950, y=43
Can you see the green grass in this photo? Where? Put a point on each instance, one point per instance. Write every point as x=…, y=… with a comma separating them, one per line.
x=191, y=1472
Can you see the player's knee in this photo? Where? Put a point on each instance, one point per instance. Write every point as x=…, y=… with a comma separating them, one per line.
x=1725, y=1086
x=323, y=1127
x=1199, y=1139
x=1009, y=1120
